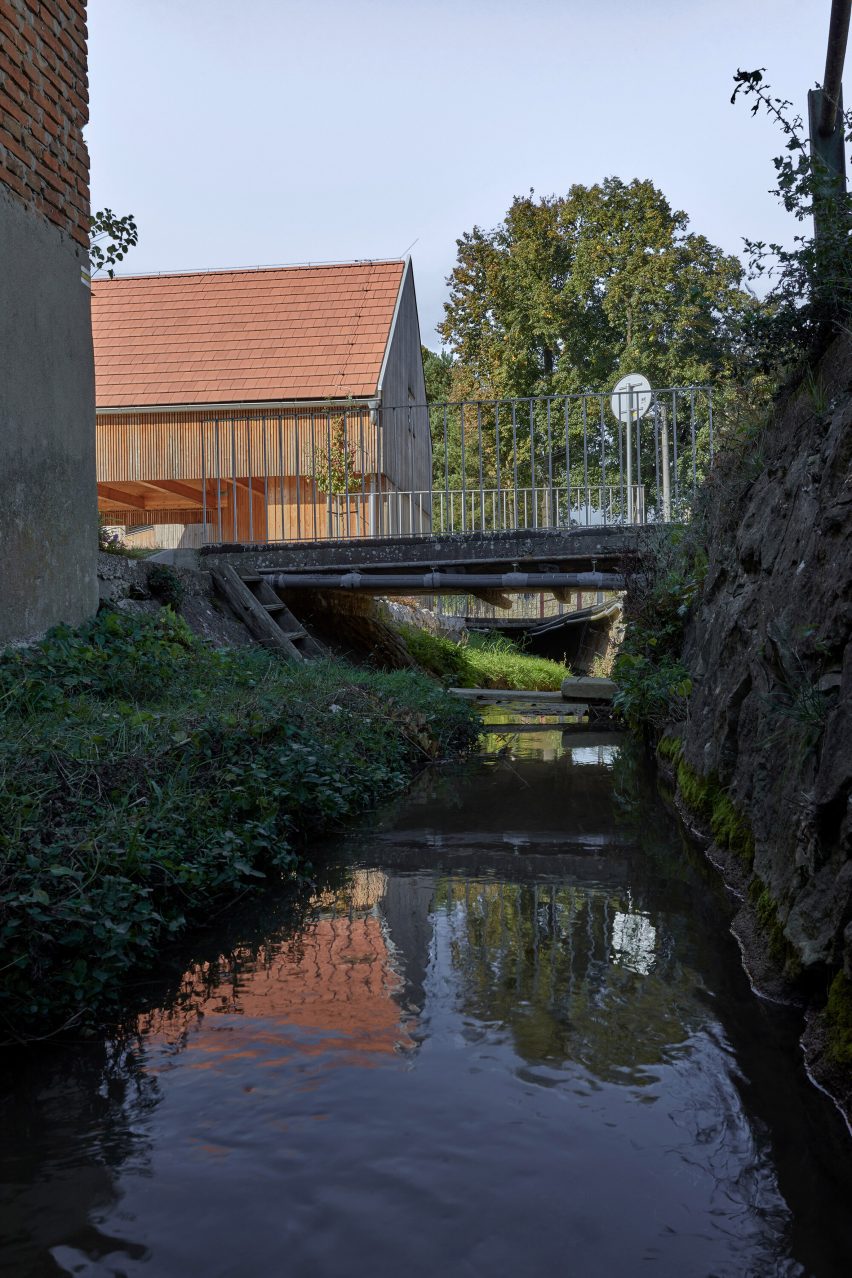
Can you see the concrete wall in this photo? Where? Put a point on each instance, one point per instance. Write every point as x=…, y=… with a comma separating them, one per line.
x=48, y=503
x=48, y=520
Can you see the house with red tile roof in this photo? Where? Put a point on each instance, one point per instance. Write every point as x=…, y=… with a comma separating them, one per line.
x=259, y=405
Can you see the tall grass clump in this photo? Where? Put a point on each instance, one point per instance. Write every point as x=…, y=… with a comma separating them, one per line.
x=483, y=661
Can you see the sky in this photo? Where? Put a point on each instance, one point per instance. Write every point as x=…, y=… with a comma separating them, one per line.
x=285, y=131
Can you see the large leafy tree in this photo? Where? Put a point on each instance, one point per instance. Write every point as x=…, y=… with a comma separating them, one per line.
x=565, y=295
x=568, y=292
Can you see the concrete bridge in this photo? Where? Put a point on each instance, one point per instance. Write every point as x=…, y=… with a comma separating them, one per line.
x=485, y=563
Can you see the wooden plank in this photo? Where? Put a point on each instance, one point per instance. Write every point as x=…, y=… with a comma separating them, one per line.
x=252, y=613
x=585, y=688
x=495, y=598
x=507, y=694
x=289, y=624
x=131, y=501
x=194, y=495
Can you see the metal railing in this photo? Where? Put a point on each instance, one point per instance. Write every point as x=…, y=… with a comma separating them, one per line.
x=527, y=606
x=306, y=473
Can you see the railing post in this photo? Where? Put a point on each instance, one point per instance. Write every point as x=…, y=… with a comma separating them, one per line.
x=664, y=456
x=629, y=453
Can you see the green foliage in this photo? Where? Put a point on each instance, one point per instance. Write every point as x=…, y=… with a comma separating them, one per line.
x=570, y=291
x=650, y=692
x=145, y=776
x=110, y=240
x=838, y=1021
x=438, y=374
x=438, y=655
x=653, y=684
x=337, y=465
x=166, y=585
x=696, y=791
x=485, y=661
x=811, y=291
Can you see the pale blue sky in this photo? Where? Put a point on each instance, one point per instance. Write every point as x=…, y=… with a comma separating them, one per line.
x=271, y=131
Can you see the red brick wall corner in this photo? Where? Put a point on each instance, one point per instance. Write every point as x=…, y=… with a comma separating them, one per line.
x=44, y=104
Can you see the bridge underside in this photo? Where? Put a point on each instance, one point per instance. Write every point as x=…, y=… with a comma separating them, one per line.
x=552, y=557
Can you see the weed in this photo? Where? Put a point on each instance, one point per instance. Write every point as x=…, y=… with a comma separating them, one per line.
x=653, y=684
x=145, y=775
x=166, y=585
x=485, y=661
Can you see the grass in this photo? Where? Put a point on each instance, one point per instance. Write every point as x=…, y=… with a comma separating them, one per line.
x=146, y=777
x=485, y=661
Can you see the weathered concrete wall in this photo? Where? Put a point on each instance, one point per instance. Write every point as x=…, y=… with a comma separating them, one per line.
x=48, y=519
x=48, y=511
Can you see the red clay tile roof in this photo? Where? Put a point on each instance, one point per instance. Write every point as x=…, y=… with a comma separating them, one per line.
x=283, y=333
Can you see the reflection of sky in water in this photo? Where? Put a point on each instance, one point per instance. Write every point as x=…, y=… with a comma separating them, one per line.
x=634, y=940
x=595, y=756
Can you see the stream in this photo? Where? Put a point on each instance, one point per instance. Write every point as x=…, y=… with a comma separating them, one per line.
x=510, y=1034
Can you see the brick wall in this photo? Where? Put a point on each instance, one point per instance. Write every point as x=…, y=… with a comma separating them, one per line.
x=44, y=103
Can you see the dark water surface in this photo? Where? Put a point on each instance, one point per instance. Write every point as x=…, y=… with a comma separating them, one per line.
x=512, y=1036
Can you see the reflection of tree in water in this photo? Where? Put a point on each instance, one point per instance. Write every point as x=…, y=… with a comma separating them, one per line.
x=576, y=973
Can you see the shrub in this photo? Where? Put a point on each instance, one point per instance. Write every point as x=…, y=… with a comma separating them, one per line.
x=166, y=585
x=145, y=776
x=653, y=684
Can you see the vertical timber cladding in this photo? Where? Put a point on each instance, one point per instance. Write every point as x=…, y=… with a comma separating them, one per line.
x=47, y=441
x=406, y=439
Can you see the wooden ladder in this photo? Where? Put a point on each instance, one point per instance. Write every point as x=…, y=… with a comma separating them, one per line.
x=266, y=616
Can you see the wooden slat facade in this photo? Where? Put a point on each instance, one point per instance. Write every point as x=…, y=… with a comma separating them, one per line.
x=306, y=471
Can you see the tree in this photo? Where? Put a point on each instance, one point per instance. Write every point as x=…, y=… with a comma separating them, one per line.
x=110, y=240
x=811, y=283
x=569, y=292
x=438, y=374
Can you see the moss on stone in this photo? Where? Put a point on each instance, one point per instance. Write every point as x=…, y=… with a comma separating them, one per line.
x=670, y=748
x=838, y=1021
x=708, y=800
x=696, y=791
x=766, y=910
x=731, y=829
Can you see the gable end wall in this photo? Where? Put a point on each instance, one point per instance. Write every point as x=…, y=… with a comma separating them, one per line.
x=407, y=444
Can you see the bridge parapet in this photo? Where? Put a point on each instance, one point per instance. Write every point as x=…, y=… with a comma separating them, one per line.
x=575, y=550
x=304, y=474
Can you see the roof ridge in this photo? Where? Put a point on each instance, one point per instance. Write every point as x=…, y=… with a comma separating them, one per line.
x=250, y=270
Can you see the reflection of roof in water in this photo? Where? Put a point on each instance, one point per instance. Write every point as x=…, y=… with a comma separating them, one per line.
x=332, y=987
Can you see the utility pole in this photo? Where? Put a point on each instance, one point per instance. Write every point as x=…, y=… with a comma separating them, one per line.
x=825, y=110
